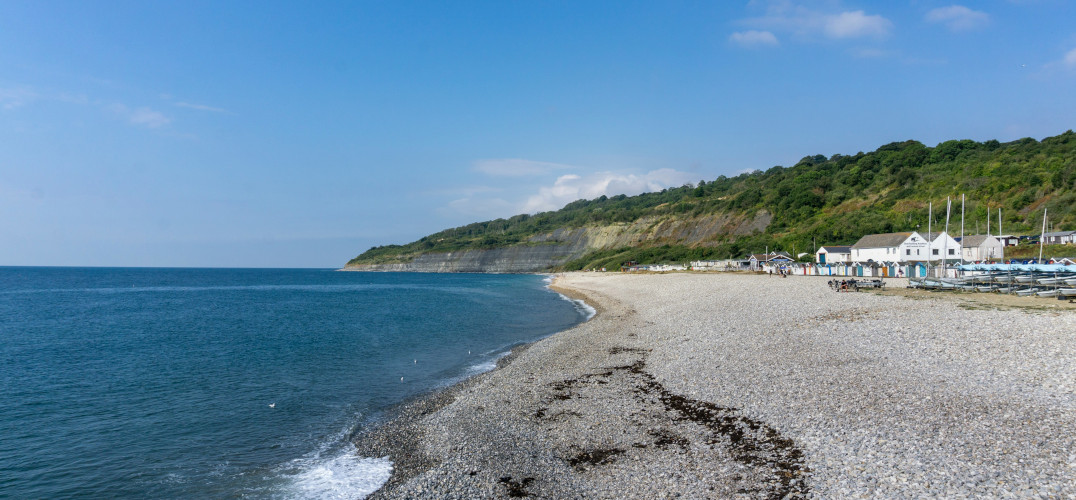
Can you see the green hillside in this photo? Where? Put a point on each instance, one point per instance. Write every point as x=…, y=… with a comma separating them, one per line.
x=819, y=200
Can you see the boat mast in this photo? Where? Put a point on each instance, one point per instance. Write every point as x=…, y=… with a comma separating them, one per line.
x=930, y=244
x=961, y=228
x=1042, y=238
x=945, y=242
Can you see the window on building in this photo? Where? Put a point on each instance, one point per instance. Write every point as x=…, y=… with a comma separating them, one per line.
x=952, y=251
x=908, y=251
x=935, y=251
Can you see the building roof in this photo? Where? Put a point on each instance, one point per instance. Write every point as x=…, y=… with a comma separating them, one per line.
x=882, y=240
x=836, y=249
x=1059, y=233
x=934, y=235
x=772, y=256
x=976, y=240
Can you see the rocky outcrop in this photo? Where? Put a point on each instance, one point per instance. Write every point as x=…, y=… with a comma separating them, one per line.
x=546, y=251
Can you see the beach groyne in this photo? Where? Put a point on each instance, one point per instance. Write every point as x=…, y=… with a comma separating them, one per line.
x=718, y=386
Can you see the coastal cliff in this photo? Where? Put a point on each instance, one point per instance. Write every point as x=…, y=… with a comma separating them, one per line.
x=552, y=250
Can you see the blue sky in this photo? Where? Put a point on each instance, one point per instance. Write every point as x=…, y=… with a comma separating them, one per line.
x=273, y=134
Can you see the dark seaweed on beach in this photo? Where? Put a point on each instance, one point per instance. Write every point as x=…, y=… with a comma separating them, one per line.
x=598, y=456
x=517, y=489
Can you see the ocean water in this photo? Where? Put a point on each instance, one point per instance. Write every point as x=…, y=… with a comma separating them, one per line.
x=195, y=383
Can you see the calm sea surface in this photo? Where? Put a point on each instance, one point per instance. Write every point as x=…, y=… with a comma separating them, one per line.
x=194, y=383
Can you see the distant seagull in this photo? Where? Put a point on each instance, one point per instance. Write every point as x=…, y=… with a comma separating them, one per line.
x=401, y=379
x=416, y=361
x=272, y=405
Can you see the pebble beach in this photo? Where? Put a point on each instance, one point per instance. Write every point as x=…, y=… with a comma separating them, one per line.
x=752, y=386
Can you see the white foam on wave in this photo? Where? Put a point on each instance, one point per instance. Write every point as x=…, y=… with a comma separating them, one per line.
x=343, y=475
x=584, y=309
x=334, y=471
x=482, y=367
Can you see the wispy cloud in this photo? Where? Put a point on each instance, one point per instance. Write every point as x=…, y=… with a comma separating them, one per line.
x=516, y=167
x=482, y=207
x=856, y=24
x=870, y=53
x=958, y=17
x=1070, y=59
x=754, y=38
x=14, y=97
x=201, y=107
x=141, y=116
x=825, y=21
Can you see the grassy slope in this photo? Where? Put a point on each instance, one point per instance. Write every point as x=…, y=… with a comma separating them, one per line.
x=819, y=200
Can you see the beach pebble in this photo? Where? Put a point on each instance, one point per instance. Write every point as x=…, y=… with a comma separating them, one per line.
x=735, y=386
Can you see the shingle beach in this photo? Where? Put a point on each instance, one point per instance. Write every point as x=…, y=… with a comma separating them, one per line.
x=748, y=386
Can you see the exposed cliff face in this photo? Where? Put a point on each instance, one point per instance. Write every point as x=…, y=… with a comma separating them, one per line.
x=546, y=251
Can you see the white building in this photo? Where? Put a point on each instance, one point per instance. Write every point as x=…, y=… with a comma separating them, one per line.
x=833, y=254
x=1060, y=237
x=981, y=247
x=943, y=246
x=891, y=247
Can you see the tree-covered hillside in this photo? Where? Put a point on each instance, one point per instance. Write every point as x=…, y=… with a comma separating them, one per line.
x=817, y=201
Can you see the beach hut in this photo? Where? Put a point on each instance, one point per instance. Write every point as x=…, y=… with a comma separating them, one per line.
x=831, y=254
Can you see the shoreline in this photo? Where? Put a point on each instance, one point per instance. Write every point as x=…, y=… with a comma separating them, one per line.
x=738, y=386
x=399, y=434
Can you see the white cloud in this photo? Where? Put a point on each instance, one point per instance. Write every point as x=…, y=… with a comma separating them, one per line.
x=958, y=17
x=515, y=167
x=485, y=202
x=826, y=21
x=11, y=98
x=1070, y=59
x=142, y=116
x=855, y=24
x=870, y=53
x=571, y=187
x=201, y=107
x=754, y=38
x=482, y=208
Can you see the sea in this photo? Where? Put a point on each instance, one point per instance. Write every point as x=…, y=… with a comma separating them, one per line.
x=235, y=383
